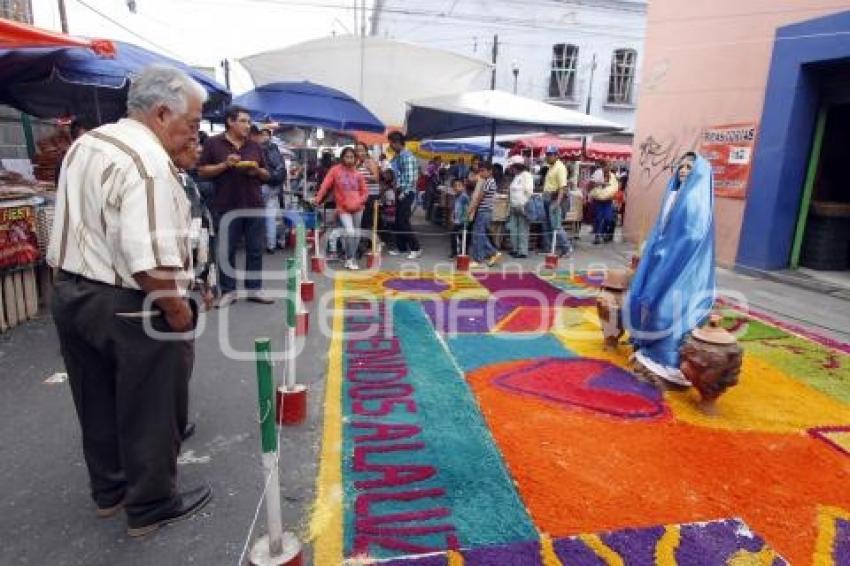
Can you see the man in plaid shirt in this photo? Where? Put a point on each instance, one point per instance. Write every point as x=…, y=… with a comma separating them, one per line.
x=407, y=171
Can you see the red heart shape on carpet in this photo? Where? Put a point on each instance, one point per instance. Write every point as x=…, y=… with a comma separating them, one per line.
x=594, y=385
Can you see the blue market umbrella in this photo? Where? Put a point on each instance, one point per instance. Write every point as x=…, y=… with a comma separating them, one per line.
x=309, y=104
x=50, y=82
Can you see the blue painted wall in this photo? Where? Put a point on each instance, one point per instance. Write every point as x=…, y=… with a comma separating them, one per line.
x=788, y=119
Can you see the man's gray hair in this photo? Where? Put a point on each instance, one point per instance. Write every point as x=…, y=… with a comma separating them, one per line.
x=161, y=84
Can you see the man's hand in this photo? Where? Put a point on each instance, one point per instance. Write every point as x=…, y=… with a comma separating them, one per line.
x=232, y=160
x=179, y=316
x=162, y=284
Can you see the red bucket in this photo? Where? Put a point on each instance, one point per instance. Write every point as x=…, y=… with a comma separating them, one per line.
x=291, y=405
x=308, y=291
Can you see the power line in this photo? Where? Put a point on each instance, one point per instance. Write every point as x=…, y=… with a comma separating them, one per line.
x=442, y=17
x=128, y=30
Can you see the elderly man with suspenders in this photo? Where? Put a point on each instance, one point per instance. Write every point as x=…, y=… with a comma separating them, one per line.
x=120, y=247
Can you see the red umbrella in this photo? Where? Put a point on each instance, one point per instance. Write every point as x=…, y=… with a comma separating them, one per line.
x=538, y=144
x=609, y=151
x=16, y=34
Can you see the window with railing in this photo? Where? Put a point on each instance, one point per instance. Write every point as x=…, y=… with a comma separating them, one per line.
x=18, y=10
x=622, y=82
x=562, y=79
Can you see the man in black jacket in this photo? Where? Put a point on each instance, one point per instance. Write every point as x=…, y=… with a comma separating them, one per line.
x=272, y=188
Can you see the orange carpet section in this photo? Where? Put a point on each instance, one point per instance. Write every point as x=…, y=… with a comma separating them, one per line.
x=582, y=472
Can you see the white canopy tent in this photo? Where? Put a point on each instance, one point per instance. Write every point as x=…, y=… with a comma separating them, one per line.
x=392, y=71
x=495, y=112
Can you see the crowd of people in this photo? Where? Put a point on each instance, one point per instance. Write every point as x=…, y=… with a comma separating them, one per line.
x=121, y=248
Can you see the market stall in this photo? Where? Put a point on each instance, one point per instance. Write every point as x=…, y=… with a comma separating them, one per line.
x=25, y=217
x=52, y=75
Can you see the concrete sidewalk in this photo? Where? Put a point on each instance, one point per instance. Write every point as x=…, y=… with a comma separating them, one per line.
x=46, y=516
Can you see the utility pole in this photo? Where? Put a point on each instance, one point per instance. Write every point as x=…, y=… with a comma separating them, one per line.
x=589, y=99
x=493, y=87
x=495, y=56
x=590, y=88
x=362, y=48
x=63, y=16
x=225, y=64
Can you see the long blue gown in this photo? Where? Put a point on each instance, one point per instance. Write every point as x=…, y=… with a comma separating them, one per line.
x=673, y=289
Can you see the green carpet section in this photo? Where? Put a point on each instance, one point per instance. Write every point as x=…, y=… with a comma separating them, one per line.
x=826, y=370
x=421, y=496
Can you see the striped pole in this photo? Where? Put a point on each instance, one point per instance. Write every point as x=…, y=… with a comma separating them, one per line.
x=292, y=397
x=292, y=303
x=268, y=440
x=373, y=259
x=308, y=289
x=300, y=248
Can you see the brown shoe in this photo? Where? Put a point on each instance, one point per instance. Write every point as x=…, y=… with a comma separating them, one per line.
x=107, y=512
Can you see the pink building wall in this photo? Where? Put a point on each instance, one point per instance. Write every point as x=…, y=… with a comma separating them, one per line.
x=707, y=63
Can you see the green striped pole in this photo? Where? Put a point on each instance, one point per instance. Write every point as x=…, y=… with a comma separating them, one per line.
x=291, y=291
x=268, y=435
x=300, y=245
x=292, y=299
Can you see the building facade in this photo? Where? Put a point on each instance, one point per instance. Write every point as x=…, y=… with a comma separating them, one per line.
x=576, y=54
x=773, y=70
x=18, y=10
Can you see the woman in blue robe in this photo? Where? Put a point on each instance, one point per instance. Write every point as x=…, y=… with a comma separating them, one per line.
x=673, y=289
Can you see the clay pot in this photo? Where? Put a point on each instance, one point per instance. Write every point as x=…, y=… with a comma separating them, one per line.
x=711, y=359
x=609, y=306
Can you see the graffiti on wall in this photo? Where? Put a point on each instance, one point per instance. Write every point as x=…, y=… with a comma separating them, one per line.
x=657, y=157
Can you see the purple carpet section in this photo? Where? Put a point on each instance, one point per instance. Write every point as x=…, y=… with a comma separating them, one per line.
x=701, y=543
x=466, y=316
x=638, y=544
x=528, y=290
x=416, y=285
x=715, y=542
x=576, y=553
x=841, y=545
x=423, y=561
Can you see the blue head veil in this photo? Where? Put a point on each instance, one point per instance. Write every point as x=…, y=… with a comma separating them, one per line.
x=673, y=288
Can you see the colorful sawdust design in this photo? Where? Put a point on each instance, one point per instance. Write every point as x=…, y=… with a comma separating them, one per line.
x=464, y=316
x=406, y=415
x=528, y=290
x=412, y=285
x=592, y=385
x=713, y=543
x=520, y=422
x=833, y=546
x=836, y=436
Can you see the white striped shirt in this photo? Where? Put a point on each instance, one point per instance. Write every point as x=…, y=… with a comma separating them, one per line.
x=120, y=208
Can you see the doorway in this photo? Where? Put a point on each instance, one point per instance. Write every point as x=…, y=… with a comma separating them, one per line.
x=822, y=240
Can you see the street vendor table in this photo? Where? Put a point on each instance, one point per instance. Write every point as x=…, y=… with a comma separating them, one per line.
x=24, y=229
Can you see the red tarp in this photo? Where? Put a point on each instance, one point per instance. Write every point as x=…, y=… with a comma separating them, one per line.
x=572, y=148
x=609, y=151
x=15, y=34
x=538, y=144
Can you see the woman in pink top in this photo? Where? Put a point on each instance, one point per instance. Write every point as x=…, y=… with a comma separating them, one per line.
x=350, y=194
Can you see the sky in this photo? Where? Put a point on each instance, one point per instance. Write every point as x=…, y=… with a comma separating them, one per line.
x=203, y=32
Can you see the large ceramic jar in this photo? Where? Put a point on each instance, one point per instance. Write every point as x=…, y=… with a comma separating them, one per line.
x=609, y=306
x=711, y=359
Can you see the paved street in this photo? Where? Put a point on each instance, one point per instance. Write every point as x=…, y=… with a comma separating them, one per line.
x=46, y=516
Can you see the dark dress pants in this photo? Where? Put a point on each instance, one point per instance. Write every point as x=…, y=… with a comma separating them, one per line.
x=405, y=238
x=127, y=388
